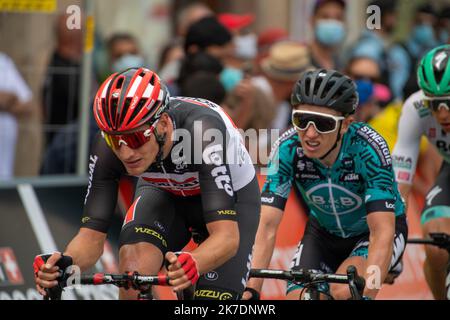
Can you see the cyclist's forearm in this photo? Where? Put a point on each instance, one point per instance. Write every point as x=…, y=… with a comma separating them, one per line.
x=218, y=248
x=378, y=261
x=86, y=248
x=262, y=253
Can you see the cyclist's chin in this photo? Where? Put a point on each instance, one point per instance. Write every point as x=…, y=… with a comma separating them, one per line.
x=137, y=168
x=313, y=152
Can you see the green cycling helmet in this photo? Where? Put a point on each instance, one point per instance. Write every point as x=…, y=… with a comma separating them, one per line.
x=433, y=73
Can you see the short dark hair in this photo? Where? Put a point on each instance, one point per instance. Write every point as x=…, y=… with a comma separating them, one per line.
x=116, y=37
x=206, y=32
x=427, y=8
x=320, y=3
x=196, y=62
x=205, y=85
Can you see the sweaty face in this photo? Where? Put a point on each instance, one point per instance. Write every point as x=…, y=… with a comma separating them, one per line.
x=314, y=143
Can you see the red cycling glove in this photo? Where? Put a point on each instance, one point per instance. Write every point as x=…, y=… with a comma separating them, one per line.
x=189, y=265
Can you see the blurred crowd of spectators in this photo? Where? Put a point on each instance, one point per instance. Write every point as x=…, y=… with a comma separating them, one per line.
x=219, y=57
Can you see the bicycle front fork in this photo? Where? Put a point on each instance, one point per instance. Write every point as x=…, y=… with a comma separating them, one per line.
x=145, y=293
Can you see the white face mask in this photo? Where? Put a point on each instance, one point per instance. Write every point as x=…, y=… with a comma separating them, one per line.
x=246, y=46
x=127, y=61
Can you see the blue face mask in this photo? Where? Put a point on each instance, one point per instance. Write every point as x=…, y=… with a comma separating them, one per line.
x=329, y=32
x=127, y=61
x=424, y=36
x=365, y=90
x=230, y=77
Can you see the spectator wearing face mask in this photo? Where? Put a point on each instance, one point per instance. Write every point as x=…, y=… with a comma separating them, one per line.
x=377, y=44
x=329, y=33
x=422, y=38
x=124, y=53
x=238, y=66
x=208, y=43
x=365, y=72
x=244, y=40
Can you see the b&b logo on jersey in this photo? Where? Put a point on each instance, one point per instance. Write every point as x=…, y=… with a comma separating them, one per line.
x=9, y=268
x=343, y=201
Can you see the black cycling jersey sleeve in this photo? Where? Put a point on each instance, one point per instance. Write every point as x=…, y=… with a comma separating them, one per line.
x=218, y=196
x=280, y=178
x=105, y=170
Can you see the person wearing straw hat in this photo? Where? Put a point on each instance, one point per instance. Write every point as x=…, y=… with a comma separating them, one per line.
x=280, y=70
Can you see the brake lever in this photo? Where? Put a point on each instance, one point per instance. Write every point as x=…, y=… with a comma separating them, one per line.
x=355, y=282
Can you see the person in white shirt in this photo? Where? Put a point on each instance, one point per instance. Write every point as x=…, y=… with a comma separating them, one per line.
x=15, y=99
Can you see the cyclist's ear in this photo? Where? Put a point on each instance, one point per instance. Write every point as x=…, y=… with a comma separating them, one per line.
x=346, y=123
x=164, y=123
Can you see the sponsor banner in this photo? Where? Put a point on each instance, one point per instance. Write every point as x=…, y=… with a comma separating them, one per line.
x=19, y=245
x=45, y=6
x=61, y=208
x=9, y=268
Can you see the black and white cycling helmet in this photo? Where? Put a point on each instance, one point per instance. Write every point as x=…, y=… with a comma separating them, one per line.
x=326, y=88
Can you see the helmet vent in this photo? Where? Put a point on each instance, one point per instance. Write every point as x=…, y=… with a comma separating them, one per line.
x=317, y=84
x=307, y=83
x=113, y=109
x=119, y=83
x=126, y=105
x=137, y=109
x=329, y=86
x=152, y=80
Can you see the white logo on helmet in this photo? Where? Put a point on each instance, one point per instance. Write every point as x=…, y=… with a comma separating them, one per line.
x=322, y=74
x=439, y=58
x=115, y=95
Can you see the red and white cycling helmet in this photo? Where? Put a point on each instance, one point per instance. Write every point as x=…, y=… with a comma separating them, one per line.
x=130, y=99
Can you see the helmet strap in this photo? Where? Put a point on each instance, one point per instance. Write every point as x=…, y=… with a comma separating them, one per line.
x=161, y=140
x=335, y=144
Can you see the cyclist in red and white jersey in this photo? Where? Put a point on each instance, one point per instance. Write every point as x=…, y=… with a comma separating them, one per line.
x=195, y=179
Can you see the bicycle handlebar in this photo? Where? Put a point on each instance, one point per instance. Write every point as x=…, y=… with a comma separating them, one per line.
x=126, y=280
x=441, y=240
x=355, y=282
